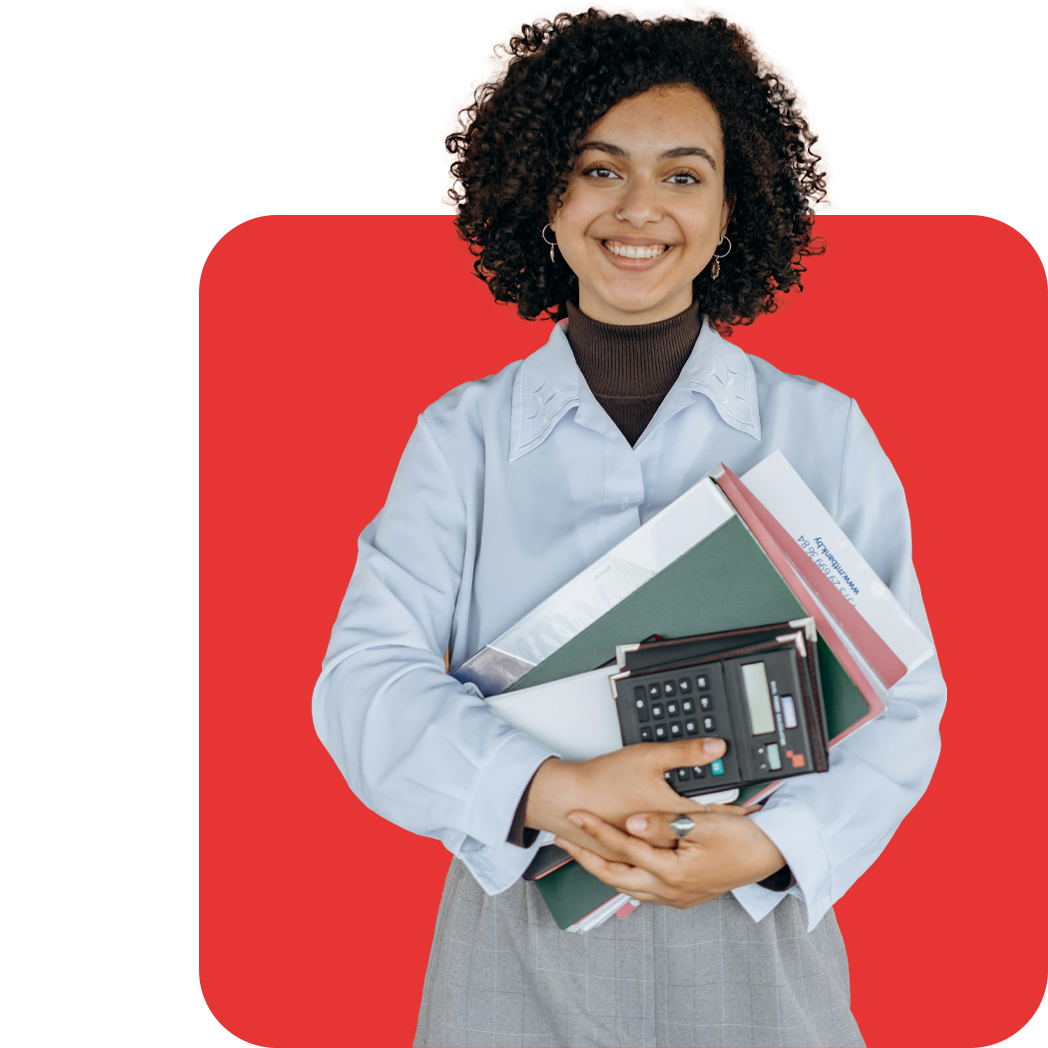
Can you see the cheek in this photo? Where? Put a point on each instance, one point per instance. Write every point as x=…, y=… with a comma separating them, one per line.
x=704, y=230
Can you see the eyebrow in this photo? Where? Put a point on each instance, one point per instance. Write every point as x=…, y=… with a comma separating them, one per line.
x=669, y=154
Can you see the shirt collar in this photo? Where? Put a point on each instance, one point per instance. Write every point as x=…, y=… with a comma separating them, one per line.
x=548, y=384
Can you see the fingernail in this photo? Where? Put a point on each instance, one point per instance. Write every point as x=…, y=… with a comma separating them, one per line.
x=578, y=820
x=713, y=745
x=636, y=823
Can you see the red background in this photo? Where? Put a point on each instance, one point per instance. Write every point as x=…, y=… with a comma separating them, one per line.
x=322, y=338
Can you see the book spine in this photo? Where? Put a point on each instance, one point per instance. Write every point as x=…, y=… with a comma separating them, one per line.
x=736, y=494
x=880, y=657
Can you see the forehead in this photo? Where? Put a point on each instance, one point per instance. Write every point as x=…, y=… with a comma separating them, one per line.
x=660, y=118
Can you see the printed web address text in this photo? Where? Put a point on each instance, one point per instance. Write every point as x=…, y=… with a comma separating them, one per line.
x=828, y=564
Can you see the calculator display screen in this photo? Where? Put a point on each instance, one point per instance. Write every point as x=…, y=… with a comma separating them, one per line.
x=758, y=698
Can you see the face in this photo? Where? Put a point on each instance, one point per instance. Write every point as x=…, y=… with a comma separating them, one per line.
x=649, y=181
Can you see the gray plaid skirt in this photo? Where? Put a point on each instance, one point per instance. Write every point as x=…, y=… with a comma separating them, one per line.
x=503, y=975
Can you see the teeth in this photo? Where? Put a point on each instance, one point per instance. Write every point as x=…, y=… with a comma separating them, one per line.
x=630, y=251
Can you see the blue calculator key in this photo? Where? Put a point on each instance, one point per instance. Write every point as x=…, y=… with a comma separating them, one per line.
x=717, y=767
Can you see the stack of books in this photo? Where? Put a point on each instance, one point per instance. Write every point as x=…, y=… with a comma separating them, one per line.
x=729, y=554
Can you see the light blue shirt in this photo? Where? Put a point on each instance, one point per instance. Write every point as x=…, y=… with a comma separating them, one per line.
x=511, y=485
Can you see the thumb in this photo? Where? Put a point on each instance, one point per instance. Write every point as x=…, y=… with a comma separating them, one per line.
x=683, y=752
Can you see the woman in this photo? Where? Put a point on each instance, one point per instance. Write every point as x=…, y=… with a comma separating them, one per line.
x=643, y=183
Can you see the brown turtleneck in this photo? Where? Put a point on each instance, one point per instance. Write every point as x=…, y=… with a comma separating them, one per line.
x=630, y=368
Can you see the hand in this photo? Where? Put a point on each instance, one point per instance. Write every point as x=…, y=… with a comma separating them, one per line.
x=719, y=854
x=614, y=787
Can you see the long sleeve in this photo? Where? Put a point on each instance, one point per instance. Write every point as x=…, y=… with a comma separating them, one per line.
x=414, y=745
x=830, y=828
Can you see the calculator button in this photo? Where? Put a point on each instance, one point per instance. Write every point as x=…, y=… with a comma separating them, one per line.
x=698, y=771
x=789, y=711
x=668, y=776
x=773, y=756
x=705, y=702
x=691, y=727
x=676, y=730
x=655, y=691
x=684, y=685
x=707, y=724
x=702, y=683
x=660, y=733
x=717, y=768
x=645, y=734
x=687, y=706
x=668, y=688
x=642, y=710
x=657, y=710
x=672, y=709
x=682, y=774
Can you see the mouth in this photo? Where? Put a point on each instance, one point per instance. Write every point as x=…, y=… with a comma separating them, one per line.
x=635, y=251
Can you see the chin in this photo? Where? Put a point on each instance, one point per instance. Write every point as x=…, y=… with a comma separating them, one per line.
x=637, y=304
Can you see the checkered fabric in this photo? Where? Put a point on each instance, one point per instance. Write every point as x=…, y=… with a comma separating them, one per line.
x=503, y=975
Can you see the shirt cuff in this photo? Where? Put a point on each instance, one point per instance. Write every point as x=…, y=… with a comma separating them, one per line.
x=519, y=834
x=792, y=831
x=497, y=792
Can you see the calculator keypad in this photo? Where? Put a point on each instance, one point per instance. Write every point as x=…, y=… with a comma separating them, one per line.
x=683, y=705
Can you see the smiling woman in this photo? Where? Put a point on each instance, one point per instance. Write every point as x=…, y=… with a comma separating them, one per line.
x=702, y=114
x=647, y=185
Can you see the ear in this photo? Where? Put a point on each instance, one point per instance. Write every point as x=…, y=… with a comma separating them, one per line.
x=727, y=210
x=553, y=206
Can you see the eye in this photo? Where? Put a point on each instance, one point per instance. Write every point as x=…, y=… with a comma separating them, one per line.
x=682, y=176
x=599, y=171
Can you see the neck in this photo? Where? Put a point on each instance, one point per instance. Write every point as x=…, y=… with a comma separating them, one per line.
x=632, y=359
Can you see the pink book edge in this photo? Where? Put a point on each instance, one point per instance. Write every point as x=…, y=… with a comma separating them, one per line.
x=736, y=493
x=880, y=657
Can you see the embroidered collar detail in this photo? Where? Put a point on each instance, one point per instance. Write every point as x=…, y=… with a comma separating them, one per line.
x=549, y=383
x=724, y=373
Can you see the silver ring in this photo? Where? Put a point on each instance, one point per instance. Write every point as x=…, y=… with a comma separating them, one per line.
x=621, y=219
x=682, y=825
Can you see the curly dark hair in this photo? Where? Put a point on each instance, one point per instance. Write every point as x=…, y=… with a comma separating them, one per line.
x=519, y=138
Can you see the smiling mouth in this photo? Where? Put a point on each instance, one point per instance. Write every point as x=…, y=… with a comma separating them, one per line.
x=621, y=250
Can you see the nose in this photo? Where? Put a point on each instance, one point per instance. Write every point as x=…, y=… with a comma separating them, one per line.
x=638, y=204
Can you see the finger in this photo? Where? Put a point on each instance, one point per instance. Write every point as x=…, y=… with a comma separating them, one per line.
x=625, y=847
x=579, y=836
x=620, y=875
x=647, y=897
x=684, y=753
x=656, y=828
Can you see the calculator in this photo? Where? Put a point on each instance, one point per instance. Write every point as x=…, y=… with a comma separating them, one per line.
x=758, y=689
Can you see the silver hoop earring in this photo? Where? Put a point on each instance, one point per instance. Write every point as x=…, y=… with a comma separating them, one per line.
x=552, y=243
x=715, y=268
x=618, y=216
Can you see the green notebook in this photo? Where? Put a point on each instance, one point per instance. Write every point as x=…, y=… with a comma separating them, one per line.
x=724, y=582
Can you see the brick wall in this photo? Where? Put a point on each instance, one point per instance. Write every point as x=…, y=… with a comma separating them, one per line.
x=390, y=74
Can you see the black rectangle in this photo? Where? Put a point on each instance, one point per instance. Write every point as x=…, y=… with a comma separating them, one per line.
x=788, y=659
